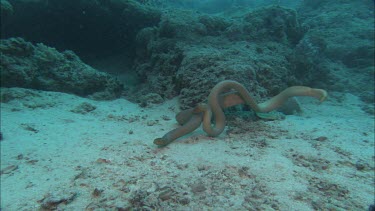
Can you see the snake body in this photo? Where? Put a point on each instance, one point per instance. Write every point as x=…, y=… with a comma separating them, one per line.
x=189, y=126
x=191, y=119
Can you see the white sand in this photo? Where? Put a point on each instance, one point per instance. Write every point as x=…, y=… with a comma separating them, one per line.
x=276, y=165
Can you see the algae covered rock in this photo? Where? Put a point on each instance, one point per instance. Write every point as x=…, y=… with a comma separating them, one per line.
x=187, y=55
x=44, y=68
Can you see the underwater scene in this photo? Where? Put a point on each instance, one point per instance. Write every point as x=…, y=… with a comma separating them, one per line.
x=221, y=105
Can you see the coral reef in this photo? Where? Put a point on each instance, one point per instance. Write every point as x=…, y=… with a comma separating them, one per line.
x=184, y=53
x=339, y=42
x=92, y=29
x=174, y=63
x=41, y=67
x=265, y=49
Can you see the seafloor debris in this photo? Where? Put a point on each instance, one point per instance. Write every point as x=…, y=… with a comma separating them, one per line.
x=29, y=127
x=9, y=169
x=83, y=108
x=52, y=200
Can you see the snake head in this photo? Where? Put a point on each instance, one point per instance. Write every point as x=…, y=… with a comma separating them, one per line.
x=324, y=95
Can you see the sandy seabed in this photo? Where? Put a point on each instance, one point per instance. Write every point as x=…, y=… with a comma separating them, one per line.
x=63, y=152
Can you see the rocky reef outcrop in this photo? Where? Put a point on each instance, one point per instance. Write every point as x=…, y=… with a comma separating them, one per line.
x=44, y=68
x=189, y=53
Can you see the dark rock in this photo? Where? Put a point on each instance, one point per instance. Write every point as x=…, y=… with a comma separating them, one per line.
x=371, y=207
x=40, y=67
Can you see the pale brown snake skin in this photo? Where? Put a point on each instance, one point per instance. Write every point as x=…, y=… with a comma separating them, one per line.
x=191, y=119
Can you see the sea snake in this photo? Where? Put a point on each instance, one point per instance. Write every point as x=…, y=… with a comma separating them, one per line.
x=191, y=119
